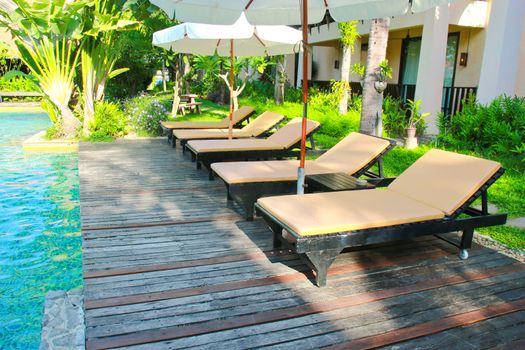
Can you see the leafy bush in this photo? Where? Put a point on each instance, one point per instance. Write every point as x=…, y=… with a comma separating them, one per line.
x=109, y=122
x=19, y=83
x=292, y=94
x=394, y=117
x=259, y=90
x=497, y=128
x=145, y=113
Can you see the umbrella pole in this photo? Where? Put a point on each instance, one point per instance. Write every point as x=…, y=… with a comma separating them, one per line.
x=300, y=171
x=232, y=59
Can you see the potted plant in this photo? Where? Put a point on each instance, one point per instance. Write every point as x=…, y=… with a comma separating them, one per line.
x=385, y=72
x=360, y=70
x=414, y=120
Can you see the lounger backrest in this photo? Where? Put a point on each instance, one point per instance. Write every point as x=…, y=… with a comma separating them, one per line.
x=290, y=134
x=239, y=115
x=262, y=123
x=444, y=180
x=353, y=153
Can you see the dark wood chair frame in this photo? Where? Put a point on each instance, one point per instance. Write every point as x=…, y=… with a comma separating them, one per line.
x=207, y=158
x=321, y=250
x=169, y=131
x=246, y=194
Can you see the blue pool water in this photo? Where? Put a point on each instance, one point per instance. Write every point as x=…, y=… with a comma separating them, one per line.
x=40, y=243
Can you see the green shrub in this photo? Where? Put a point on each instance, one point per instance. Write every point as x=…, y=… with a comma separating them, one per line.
x=109, y=122
x=145, y=113
x=394, y=117
x=497, y=128
x=292, y=94
x=19, y=83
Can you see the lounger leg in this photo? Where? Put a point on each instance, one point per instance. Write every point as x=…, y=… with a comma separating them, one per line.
x=321, y=261
x=211, y=176
x=466, y=243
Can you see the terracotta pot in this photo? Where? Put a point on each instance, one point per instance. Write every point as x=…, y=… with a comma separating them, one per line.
x=380, y=86
x=411, y=132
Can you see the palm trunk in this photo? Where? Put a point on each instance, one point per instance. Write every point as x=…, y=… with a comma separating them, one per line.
x=345, y=76
x=70, y=123
x=279, y=81
x=371, y=112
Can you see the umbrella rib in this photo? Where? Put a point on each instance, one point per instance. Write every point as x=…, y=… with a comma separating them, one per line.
x=259, y=39
x=248, y=4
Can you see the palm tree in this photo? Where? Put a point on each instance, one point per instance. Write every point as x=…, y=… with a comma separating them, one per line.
x=371, y=111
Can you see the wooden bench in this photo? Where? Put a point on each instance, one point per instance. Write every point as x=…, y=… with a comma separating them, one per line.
x=191, y=106
x=10, y=94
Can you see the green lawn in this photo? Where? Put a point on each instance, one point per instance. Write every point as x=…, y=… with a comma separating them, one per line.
x=508, y=193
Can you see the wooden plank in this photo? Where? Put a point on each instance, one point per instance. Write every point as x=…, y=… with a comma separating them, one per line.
x=183, y=264
x=287, y=313
x=433, y=327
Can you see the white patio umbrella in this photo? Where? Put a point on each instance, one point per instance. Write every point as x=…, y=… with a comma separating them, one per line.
x=238, y=39
x=292, y=12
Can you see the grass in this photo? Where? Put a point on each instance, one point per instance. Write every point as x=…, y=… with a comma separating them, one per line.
x=508, y=193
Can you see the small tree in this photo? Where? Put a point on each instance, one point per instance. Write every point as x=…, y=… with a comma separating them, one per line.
x=349, y=35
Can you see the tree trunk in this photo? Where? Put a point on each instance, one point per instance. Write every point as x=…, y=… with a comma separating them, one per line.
x=186, y=74
x=176, y=96
x=280, y=79
x=371, y=112
x=345, y=77
x=70, y=123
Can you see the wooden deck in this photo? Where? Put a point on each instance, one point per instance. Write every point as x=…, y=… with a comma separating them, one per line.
x=167, y=264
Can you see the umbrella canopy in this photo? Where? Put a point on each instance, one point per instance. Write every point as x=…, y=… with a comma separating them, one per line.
x=238, y=39
x=288, y=11
x=248, y=40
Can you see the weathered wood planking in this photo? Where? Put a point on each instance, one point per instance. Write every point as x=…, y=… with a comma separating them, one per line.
x=169, y=264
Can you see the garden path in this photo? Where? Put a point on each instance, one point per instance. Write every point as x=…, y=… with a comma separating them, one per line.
x=167, y=264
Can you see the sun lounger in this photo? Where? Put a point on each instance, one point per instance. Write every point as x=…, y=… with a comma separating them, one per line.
x=279, y=145
x=258, y=127
x=238, y=117
x=425, y=199
x=248, y=181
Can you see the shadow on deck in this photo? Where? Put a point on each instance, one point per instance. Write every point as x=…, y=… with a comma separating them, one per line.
x=167, y=264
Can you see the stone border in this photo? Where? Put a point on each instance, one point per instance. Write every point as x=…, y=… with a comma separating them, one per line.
x=63, y=326
x=38, y=143
x=491, y=243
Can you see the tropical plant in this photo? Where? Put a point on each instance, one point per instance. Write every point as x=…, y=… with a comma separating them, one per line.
x=102, y=18
x=415, y=117
x=109, y=121
x=371, y=112
x=496, y=128
x=349, y=35
x=46, y=36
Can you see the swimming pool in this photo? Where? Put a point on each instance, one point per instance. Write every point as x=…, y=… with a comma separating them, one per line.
x=40, y=243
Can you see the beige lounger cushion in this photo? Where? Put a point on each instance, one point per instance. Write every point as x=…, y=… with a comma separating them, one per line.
x=255, y=128
x=444, y=180
x=265, y=171
x=189, y=134
x=328, y=213
x=237, y=116
x=262, y=123
x=349, y=156
x=233, y=145
x=283, y=138
x=290, y=134
x=353, y=152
